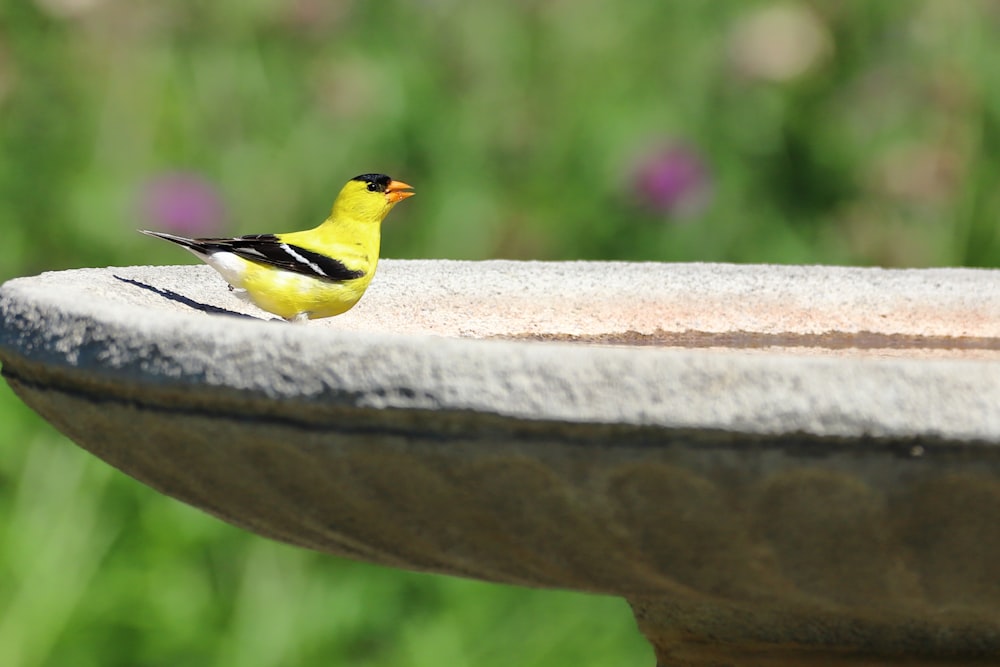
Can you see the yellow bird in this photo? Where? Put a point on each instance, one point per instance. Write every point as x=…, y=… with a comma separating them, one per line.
x=320, y=272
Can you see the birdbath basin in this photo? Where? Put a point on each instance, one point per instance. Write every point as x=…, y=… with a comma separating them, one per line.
x=773, y=465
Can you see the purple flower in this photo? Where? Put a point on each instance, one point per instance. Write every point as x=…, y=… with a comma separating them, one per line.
x=674, y=180
x=182, y=202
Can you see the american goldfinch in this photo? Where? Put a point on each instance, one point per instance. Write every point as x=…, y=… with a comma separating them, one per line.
x=317, y=273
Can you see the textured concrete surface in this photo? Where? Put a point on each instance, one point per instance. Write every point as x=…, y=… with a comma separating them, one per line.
x=811, y=472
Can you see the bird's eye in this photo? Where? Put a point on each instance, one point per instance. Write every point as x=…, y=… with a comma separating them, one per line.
x=373, y=187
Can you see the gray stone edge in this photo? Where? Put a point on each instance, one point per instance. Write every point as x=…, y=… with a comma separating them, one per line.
x=760, y=394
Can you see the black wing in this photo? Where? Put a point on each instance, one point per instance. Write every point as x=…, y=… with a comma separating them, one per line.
x=269, y=249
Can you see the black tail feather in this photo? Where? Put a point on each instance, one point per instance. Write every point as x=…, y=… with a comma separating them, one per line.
x=197, y=245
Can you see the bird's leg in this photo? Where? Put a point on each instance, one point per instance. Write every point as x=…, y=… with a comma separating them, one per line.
x=299, y=318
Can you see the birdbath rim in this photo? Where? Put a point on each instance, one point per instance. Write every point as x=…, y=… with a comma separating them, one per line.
x=527, y=362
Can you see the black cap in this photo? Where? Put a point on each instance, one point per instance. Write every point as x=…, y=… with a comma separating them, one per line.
x=376, y=182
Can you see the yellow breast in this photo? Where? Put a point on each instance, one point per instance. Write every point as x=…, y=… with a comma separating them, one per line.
x=290, y=295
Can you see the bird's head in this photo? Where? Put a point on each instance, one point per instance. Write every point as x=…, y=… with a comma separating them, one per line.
x=370, y=197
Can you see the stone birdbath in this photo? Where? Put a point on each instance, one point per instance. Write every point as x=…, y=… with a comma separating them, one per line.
x=773, y=465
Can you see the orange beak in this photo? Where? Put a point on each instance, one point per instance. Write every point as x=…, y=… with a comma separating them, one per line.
x=396, y=191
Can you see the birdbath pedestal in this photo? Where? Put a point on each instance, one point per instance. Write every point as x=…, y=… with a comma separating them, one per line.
x=773, y=465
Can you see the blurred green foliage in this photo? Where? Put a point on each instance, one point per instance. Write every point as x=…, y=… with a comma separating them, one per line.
x=840, y=131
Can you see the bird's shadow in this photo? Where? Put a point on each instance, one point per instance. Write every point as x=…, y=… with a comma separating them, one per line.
x=187, y=301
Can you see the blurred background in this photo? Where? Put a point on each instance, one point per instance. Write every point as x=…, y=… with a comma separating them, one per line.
x=840, y=131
